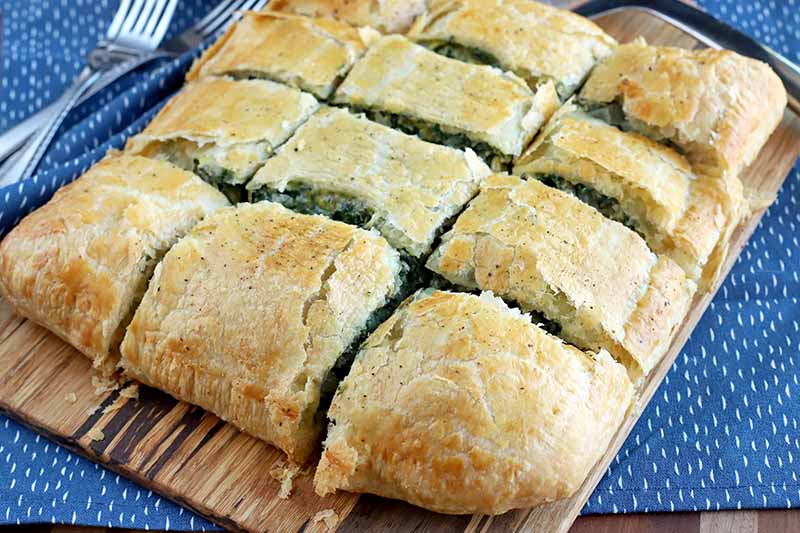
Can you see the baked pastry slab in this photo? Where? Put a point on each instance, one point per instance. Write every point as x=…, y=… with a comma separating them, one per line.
x=79, y=265
x=224, y=129
x=553, y=254
x=248, y=314
x=537, y=42
x=386, y=16
x=460, y=404
x=307, y=53
x=367, y=174
x=644, y=185
x=717, y=106
x=447, y=101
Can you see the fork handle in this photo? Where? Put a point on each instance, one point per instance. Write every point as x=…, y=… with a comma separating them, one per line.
x=13, y=138
x=25, y=165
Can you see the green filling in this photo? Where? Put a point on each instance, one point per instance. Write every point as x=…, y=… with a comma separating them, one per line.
x=612, y=113
x=221, y=179
x=550, y=326
x=465, y=54
x=412, y=276
x=310, y=201
x=441, y=283
x=498, y=161
x=608, y=206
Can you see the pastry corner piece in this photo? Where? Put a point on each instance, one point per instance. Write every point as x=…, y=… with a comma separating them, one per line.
x=312, y=54
x=459, y=404
x=248, y=315
x=715, y=105
x=224, y=129
x=644, y=185
x=80, y=264
x=386, y=16
x=593, y=282
x=538, y=42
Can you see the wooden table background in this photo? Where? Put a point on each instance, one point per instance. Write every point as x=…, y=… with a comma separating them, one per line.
x=714, y=522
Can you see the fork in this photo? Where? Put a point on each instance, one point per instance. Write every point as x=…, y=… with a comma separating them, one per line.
x=216, y=21
x=138, y=27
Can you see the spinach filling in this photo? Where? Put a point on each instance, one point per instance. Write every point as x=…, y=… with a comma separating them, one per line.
x=311, y=201
x=608, y=207
x=413, y=275
x=221, y=179
x=439, y=282
x=464, y=53
x=612, y=114
x=434, y=133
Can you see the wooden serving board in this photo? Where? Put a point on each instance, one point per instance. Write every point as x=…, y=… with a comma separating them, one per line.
x=193, y=458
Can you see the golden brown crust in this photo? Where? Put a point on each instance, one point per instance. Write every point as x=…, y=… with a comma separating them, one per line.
x=536, y=41
x=224, y=124
x=718, y=106
x=76, y=264
x=411, y=186
x=460, y=405
x=387, y=16
x=550, y=252
x=678, y=213
x=307, y=53
x=481, y=102
x=246, y=315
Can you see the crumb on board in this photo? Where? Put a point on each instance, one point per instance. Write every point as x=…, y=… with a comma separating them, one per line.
x=328, y=517
x=285, y=473
x=95, y=434
x=131, y=392
x=71, y=397
x=118, y=403
x=103, y=384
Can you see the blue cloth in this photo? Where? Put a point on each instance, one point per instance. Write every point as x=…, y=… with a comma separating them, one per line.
x=720, y=433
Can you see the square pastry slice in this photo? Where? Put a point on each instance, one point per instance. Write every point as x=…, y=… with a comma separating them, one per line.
x=447, y=101
x=80, y=264
x=646, y=186
x=594, y=279
x=307, y=53
x=224, y=129
x=248, y=314
x=460, y=404
x=715, y=105
x=367, y=174
x=537, y=42
x=387, y=16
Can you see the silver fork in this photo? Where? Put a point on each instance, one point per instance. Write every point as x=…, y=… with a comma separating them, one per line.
x=216, y=21
x=138, y=27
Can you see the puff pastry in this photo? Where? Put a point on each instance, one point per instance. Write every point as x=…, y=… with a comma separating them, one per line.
x=553, y=254
x=310, y=54
x=368, y=174
x=537, y=42
x=224, y=129
x=247, y=315
x=447, y=101
x=645, y=185
x=459, y=404
x=79, y=264
x=387, y=16
x=717, y=106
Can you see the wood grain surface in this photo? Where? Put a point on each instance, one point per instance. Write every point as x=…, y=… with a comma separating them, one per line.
x=193, y=458
x=772, y=521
